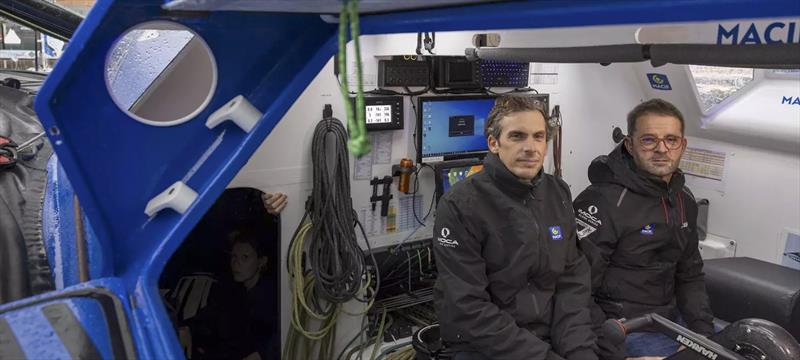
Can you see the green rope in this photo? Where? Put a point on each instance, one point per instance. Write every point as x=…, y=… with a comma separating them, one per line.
x=379, y=336
x=358, y=143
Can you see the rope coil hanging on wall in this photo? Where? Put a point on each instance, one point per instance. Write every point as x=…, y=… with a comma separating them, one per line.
x=326, y=265
x=333, y=252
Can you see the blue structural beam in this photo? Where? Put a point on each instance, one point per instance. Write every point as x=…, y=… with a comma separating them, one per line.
x=117, y=165
x=58, y=232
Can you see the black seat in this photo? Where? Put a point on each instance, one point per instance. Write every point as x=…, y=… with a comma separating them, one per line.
x=748, y=288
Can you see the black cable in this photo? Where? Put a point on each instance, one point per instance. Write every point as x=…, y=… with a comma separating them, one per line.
x=336, y=259
x=416, y=117
x=416, y=189
x=374, y=262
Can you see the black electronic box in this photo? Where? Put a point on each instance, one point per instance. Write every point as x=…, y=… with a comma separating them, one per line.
x=383, y=112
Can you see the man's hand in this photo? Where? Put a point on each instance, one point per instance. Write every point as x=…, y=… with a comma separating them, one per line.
x=274, y=203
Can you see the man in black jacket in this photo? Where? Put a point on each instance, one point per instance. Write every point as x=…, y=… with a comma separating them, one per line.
x=637, y=225
x=512, y=283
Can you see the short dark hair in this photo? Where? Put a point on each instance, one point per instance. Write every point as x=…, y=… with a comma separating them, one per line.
x=247, y=236
x=508, y=104
x=653, y=106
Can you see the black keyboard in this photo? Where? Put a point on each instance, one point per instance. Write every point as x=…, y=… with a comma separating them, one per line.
x=503, y=74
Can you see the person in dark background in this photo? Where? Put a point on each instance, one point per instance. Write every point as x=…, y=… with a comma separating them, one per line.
x=202, y=287
x=239, y=321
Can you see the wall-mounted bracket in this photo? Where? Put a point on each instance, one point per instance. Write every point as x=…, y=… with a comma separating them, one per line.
x=238, y=110
x=177, y=197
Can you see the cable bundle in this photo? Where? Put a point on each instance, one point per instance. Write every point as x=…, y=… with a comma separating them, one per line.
x=336, y=259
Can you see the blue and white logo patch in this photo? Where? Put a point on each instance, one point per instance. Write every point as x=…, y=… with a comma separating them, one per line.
x=555, y=233
x=659, y=81
x=648, y=229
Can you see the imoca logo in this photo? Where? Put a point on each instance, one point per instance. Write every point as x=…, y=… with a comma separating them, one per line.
x=444, y=241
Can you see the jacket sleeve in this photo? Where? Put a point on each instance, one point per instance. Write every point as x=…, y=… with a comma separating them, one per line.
x=598, y=239
x=464, y=307
x=596, y=232
x=690, y=287
x=572, y=324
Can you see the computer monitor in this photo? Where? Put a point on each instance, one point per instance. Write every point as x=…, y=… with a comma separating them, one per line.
x=448, y=173
x=451, y=127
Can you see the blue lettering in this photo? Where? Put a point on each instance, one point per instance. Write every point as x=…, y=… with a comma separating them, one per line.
x=786, y=100
x=796, y=101
x=751, y=36
x=768, y=32
x=773, y=34
x=733, y=34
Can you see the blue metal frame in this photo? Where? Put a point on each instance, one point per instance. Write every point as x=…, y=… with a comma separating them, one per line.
x=117, y=164
x=58, y=232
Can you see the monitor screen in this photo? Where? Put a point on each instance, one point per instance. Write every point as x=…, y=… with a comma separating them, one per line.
x=451, y=127
x=450, y=173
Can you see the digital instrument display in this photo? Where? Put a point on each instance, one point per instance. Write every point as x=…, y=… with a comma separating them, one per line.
x=379, y=114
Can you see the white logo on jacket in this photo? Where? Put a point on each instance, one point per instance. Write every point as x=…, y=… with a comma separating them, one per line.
x=588, y=216
x=444, y=241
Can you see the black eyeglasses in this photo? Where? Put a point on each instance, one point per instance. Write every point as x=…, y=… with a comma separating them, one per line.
x=650, y=142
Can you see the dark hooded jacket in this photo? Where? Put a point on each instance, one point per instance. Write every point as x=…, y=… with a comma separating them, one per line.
x=512, y=283
x=640, y=236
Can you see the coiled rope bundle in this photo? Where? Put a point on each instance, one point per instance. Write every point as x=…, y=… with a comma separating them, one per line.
x=334, y=255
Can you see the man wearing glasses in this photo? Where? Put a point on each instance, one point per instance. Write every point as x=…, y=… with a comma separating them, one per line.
x=637, y=225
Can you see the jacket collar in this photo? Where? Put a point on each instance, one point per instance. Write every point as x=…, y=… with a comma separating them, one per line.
x=506, y=180
x=619, y=167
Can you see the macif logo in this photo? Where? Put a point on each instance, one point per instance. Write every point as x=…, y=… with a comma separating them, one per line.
x=659, y=81
x=773, y=33
x=555, y=233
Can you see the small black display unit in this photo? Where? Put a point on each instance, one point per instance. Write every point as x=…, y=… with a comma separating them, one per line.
x=456, y=72
x=383, y=112
x=401, y=72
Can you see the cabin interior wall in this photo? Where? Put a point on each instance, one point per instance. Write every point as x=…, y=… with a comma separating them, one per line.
x=593, y=99
x=758, y=198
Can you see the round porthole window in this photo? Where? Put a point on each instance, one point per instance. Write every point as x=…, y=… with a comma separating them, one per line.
x=161, y=73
